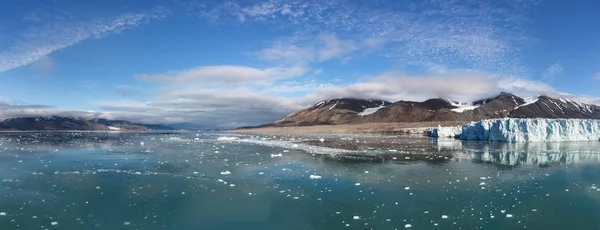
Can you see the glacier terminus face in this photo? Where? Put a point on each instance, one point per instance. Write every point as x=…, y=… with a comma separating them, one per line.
x=524, y=130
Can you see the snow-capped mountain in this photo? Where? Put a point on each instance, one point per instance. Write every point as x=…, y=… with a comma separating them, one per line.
x=352, y=111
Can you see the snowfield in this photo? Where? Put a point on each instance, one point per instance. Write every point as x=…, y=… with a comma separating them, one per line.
x=524, y=130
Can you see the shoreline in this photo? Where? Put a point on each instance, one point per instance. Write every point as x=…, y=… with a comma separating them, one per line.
x=364, y=128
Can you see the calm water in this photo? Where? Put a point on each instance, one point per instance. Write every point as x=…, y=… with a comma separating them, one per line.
x=194, y=181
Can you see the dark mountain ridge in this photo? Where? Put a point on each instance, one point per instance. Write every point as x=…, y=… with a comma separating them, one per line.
x=73, y=123
x=354, y=111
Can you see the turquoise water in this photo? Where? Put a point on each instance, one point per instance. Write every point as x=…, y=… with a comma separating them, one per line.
x=194, y=181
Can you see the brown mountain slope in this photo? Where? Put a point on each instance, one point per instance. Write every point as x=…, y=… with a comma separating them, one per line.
x=334, y=111
x=356, y=111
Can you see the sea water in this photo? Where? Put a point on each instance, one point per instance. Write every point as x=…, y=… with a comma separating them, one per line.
x=211, y=180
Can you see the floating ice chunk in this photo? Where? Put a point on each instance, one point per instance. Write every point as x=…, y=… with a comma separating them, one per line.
x=502, y=211
x=113, y=128
x=276, y=155
x=406, y=188
x=2, y=213
x=509, y=215
x=357, y=184
x=53, y=223
x=482, y=183
x=322, y=140
x=356, y=217
x=295, y=146
x=444, y=217
x=225, y=173
x=408, y=226
x=227, y=138
x=314, y=177
x=126, y=223
x=483, y=178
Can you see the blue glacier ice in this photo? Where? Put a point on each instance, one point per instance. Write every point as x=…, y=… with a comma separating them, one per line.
x=524, y=130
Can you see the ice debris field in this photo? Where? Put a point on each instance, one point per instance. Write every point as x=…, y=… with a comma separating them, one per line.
x=523, y=130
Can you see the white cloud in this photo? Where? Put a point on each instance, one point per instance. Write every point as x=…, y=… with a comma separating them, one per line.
x=225, y=74
x=335, y=47
x=487, y=35
x=306, y=49
x=297, y=87
x=38, y=42
x=553, y=71
x=317, y=72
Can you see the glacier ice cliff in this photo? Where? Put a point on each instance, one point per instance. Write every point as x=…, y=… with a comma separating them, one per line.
x=524, y=130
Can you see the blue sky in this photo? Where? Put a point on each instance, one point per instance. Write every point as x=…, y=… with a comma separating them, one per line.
x=227, y=64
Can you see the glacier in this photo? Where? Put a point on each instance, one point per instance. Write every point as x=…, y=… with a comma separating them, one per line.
x=449, y=132
x=524, y=130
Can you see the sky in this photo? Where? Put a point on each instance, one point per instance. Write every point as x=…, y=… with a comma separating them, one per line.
x=223, y=64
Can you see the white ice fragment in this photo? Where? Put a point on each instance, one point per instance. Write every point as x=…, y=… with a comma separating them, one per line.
x=534, y=210
x=357, y=184
x=366, y=172
x=482, y=183
x=483, y=178
x=406, y=188
x=126, y=223
x=322, y=140
x=53, y=223
x=566, y=190
x=2, y=213
x=408, y=226
x=444, y=217
x=502, y=211
x=276, y=155
x=227, y=138
x=295, y=146
x=314, y=177
x=509, y=215
x=97, y=187
x=356, y=217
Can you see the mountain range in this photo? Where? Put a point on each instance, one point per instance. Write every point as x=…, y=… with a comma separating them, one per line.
x=71, y=123
x=355, y=111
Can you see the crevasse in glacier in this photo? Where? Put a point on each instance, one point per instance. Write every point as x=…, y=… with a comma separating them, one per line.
x=522, y=130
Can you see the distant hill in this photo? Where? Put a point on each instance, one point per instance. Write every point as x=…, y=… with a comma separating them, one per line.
x=71, y=123
x=354, y=111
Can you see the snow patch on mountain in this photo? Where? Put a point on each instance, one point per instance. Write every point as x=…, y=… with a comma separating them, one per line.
x=369, y=111
x=462, y=106
x=524, y=130
x=528, y=101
